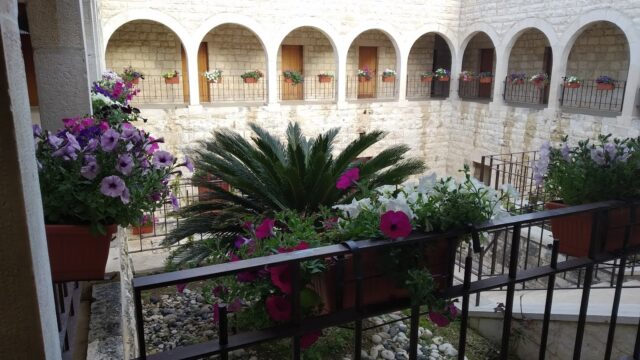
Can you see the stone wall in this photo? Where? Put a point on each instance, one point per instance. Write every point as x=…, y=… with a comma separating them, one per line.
x=471, y=58
x=527, y=54
x=386, y=60
x=235, y=50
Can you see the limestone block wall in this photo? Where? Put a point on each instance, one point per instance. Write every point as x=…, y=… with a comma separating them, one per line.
x=471, y=58
x=235, y=50
x=421, y=55
x=527, y=54
x=386, y=60
x=602, y=49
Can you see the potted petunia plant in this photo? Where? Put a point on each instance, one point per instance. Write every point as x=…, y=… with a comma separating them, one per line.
x=606, y=169
x=426, y=77
x=442, y=74
x=171, y=77
x=325, y=77
x=292, y=77
x=605, y=82
x=96, y=174
x=467, y=75
x=486, y=77
x=131, y=75
x=388, y=75
x=516, y=78
x=539, y=80
x=252, y=77
x=214, y=76
x=364, y=75
x=572, y=82
x=146, y=225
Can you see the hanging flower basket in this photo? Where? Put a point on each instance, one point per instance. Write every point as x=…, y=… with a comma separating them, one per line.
x=139, y=230
x=574, y=232
x=216, y=81
x=605, y=86
x=250, y=80
x=172, y=80
x=288, y=80
x=324, y=78
x=572, y=85
x=426, y=79
x=388, y=79
x=76, y=254
x=486, y=80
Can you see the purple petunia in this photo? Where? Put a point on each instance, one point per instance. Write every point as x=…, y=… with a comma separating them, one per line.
x=125, y=196
x=174, y=202
x=597, y=155
x=112, y=186
x=109, y=140
x=54, y=141
x=125, y=164
x=91, y=168
x=37, y=130
x=162, y=159
x=188, y=163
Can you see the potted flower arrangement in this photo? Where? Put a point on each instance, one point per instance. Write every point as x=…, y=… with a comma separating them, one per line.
x=442, y=74
x=146, y=225
x=572, y=82
x=171, y=77
x=516, y=78
x=214, y=76
x=388, y=75
x=589, y=172
x=539, y=80
x=95, y=175
x=251, y=77
x=426, y=77
x=111, y=99
x=292, y=77
x=467, y=76
x=364, y=74
x=325, y=77
x=486, y=77
x=605, y=82
x=131, y=75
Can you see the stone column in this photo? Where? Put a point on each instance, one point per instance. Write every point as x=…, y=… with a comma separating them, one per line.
x=29, y=329
x=341, y=74
x=272, y=75
x=91, y=37
x=60, y=56
x=502, y=64
x=194, y=76
x=402, y=58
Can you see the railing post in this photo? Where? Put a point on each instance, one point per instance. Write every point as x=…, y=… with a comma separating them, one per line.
x=462, y=344
x=511, y=287
x=357, y=272
x=549, y=301
x=223, y=329
x=296, y=314
x=137, y=298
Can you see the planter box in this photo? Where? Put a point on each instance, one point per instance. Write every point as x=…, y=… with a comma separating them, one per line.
x=388, y=79
x=486, y=80
x=172, y=80
x=363, y=79
x=217, y=81
x=574, y=232
x=607, y=87
x=539, y=84
x=204, y=191
x=135, y=81
x=250, y=80
x=75, y=254
x=443, y=78
x=426, y=79
x=467, y=79
x=324, y=78
x=139, y=230
x=378, y=288
x=572, y=85
x=516, y=82
x=288, y=80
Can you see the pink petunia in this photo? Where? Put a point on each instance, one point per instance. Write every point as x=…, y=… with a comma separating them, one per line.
x=180, y=287
x=438, y=319
x=301, y=246
x=265, y=229
x=348, y=178
x=395, y=224
x=281, y=277
x=278, y=308
x=309, y=339
x=245, y=276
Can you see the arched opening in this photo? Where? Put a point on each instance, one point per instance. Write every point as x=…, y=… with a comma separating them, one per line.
x=478, y=67
x=597, y=69
x=371, y=67
x=529, y=69
x=232, y=64
x=156, y=52
x=428, y=54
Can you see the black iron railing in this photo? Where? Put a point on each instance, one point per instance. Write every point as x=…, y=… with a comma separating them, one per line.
x=514, y=276
x=154, y=89
x=525, y=92
x=234, y=89
x=312, y=88
x=419, y=88
x=475, y=88
x=589, y=95
x=376, y=87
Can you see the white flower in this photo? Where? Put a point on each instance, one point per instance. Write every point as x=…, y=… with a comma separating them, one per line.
x=351, y=210
x=102, y=98
x=386, y=190
x=426, y=183
x=397, y=204
x=510, y=191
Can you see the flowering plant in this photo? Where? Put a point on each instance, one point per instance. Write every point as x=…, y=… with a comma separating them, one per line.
x=589, y=172
x=517, y=77
x=540, y=78
x=388, y=72
x=440, y=72
x=326, y=73
x=111, y=97
x=214, y=75
x=604, y=79
x=255, y=74
x=572, y=80
x=365, y=73
x=485, y=74
x=170, y=74
x=427, y=74
x=294, y=76
x=129, y=74
x=467, y=75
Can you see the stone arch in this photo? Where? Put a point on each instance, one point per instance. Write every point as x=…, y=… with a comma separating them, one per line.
x=440, y=30
x=428, y=52
x=472, y=31
x=325, y=28
x=226, y=18
x=473, y=57
x=513, y=34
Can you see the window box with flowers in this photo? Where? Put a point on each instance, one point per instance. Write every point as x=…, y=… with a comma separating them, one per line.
x=467, y=76
x=442, y=74
x=94, y=175
x=292, y=77
x=588, y=173
x=325, y=77
x=214, y=76
x=364, y=74
x=486, y=77
x=131, y=75
x=539, y=80
x=171, y=77
x=252, y=77
x=426, y=77
x=146, y=225
x=516, y=78
x=572, y=82
x=388, y=75
x=605, y=82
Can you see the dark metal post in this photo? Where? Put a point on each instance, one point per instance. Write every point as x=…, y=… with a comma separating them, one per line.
x=413, y=335
x=296, y=314
x=511, y=287
x=462, y=344
x=137, y=298
x=549, y=301
x=223, y=329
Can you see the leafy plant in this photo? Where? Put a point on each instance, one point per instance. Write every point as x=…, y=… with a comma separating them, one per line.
x=170, y=74
x=427, y=74
x=214, y=75
x=110, y=99
x=540, y=77
x=388, y=72
x=294, y=76
x=326, y=73
x=572, y=80
x=254, y=74
x=365, y=73
x=129, y=74
x=604, y=79
x=517, y=77
x=440, y=73
x=467, y=75
x=485, y=74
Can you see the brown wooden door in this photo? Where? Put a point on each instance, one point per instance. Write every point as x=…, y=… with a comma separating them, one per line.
x=368, y=58
x=203, y=65
x=185, y=76
x=547, y=64
x=486, y=64
x=291, y=60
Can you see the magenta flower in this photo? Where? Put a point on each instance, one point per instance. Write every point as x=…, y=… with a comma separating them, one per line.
x=278, y=308
x=395, y=224
x=242, y=241
x=245, y=276
x=153, y=145
x=109, y=140
x=104, y=125
x=281, y=277
x=301, y=246
x=162, y=159
x=265, y=229
x=309, y=339
x=438, y=319
x=348, y=178
x=112, y=186
x=180, y=287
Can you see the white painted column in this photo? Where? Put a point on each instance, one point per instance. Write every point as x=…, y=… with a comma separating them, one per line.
x=557, y=72
x=456, y=68
x=341, y=74
x=194, y=76
x=633, y=81
x=90, y=39
x=272, y=75
x=60, y=57
x=29, y=329
x=403, y=61
x=502, y=67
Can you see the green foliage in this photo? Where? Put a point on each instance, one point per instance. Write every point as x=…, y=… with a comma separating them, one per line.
x=295, y=76
x=255, y=74
x=170, y=74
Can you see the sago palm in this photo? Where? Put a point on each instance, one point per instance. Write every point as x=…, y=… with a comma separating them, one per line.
x=268, y=175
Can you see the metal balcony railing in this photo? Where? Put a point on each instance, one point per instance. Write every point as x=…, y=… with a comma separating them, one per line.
x=229, y=89
x=312, y=88
x=154, y=89
x=525, y=92
x=376, y=87
x=475, y=88
x=589, y=95
x=419, y=88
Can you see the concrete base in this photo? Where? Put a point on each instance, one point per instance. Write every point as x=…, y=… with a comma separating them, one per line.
x=105, y=331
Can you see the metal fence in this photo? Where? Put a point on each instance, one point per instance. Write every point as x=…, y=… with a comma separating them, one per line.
x=310, y=89
x=234, y=89
x=379, y=87
x=525, y=92
x=155, y=90
x=515, y=275
x=67, y=303
x=419, y=88
x=589, y=95
x=475, y=88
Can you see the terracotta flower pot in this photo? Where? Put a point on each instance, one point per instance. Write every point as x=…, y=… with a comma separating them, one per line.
x=607, y=87
x=288, y=80
x=204, y=191
x=443, y=78
x=172, y=80
x=574, y=231
x=486, y=80
x=378, y=288
x=216, y=81
x=324, y=78
x=388, y=79
x=250, y=80
x=135, y=81
x=363, y=79
x=426, y=79
x=76, y=254
x=538, y=84
x=517, y=82
x=145, y=229
x=573, y=85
